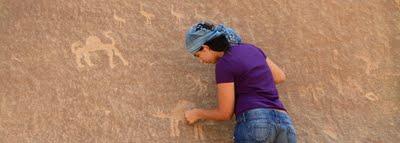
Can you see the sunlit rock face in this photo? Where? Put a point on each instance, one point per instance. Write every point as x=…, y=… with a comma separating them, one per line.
x=117, y=71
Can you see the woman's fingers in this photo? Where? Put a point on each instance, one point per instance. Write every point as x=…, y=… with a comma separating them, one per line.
x=190, y=117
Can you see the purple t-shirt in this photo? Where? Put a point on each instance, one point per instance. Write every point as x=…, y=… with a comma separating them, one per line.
x=245, y=65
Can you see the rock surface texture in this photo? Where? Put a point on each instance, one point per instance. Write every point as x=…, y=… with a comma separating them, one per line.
x=117, y=71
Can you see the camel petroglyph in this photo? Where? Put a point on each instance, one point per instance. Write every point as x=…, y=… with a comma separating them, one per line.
x=94, y=44
x=176, y=115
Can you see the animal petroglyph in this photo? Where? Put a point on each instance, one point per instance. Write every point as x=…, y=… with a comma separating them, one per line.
x=330, y=131
x=371, y=96
x=13, y=57
x=337, y=83
x=147, y=15
x=178, y=16
x=117, y=18
x=94, y=44
x=199, y=83
x=370, y=64
x=335, y=59
x=314, y=90
x=175, y=116
x=198, y=132
x=251, y=32
x=354, y=87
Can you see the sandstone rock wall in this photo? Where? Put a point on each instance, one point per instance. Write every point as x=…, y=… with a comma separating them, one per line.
x=117, y=71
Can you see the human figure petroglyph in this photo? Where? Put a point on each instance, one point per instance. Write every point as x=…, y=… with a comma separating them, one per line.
x=178, y=16
x=93, y=44
x=147, y=15
x=175, y=116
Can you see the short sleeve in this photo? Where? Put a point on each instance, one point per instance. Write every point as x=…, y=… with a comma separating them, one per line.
x=223, y=72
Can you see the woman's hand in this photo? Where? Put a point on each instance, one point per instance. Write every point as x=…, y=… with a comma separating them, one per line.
x=224, y=111
x=192, y=116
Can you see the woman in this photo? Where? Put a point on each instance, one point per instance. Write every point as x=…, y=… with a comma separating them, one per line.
x=246, y=81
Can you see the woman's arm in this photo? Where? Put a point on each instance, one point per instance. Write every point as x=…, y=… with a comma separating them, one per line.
x=277, y=73
x=224, y=111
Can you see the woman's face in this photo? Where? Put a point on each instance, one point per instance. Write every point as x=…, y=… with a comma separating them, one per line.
x=206, y=55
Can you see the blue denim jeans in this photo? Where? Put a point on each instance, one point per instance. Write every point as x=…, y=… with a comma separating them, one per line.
x=263, y=125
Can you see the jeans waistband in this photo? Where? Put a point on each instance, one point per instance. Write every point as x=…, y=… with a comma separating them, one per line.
x=273, y=115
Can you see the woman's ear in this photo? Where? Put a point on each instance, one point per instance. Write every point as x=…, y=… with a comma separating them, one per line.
x=205, y=47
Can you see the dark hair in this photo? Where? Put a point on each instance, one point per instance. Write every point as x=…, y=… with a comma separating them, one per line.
x=219, y=43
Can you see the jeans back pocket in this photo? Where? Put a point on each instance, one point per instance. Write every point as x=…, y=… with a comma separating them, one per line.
x=261, y=131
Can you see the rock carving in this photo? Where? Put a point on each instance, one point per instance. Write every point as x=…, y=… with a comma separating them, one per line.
x=94, y=44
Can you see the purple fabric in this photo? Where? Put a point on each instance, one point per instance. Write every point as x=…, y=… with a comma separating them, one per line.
x=245, y=65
